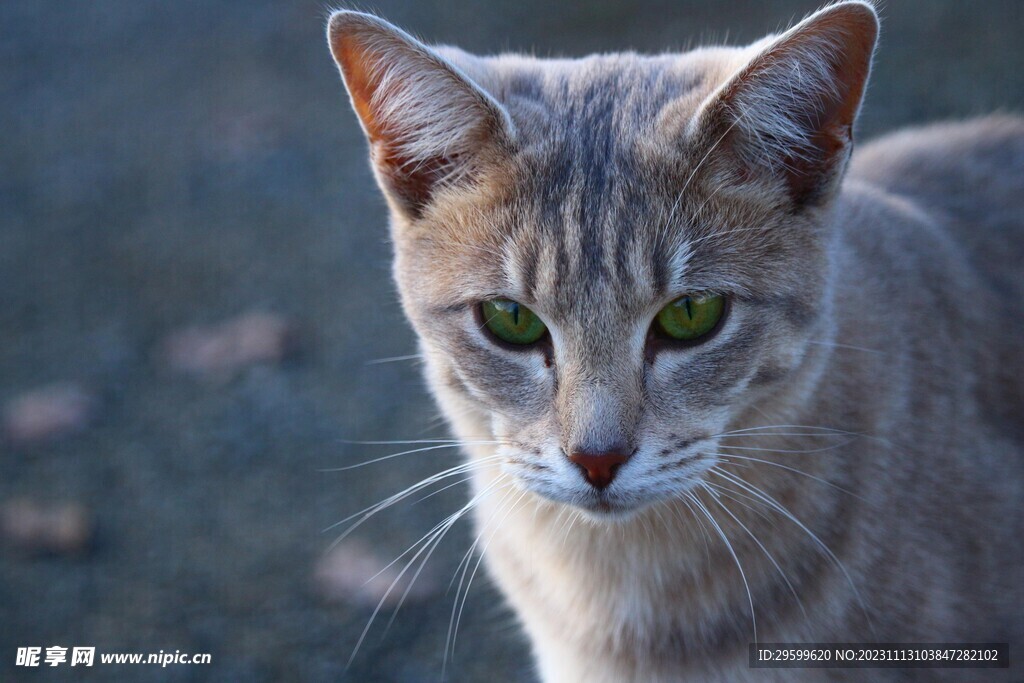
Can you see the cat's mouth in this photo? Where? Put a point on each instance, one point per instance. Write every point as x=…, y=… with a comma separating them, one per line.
x=606, y=507
x=596, y=505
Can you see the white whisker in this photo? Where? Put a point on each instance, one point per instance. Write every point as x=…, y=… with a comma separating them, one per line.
x=790, y=451
x=851, y=347
x=456, y=617
x=730, y=456
x=762, y=435
x=760, y=545
x=368, y=512
x=736, y=559
x=742, y=499
x=772, y=503
x=395, y=359
x=830, y=430
x=423, y=563
x=704, y=530
x=433, y=538
x=409, y=452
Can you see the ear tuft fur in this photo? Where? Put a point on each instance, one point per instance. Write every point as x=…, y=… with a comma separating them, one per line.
x=790, y=111
x=425, y=120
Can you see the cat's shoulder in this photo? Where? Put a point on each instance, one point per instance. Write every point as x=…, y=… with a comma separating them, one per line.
x=964, y=179
x=985, y=152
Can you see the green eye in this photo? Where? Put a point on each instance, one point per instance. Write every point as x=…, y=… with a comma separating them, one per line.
x=690, y=317
x=512, y=322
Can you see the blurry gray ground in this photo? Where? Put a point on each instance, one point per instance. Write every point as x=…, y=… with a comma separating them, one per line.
x=172, y=163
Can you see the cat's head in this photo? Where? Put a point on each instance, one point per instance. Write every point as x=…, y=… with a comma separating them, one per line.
x=608, y=260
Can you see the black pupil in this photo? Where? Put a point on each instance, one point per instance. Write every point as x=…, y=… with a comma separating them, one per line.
x=515, y=314
x=689, y=311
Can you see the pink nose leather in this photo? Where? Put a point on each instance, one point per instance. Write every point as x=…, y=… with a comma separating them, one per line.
x=599, y=468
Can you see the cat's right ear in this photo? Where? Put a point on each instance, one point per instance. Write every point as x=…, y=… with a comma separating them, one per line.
x=429, y=126
x=787, y=116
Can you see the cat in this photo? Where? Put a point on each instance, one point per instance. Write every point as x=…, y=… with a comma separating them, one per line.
x=721, y=381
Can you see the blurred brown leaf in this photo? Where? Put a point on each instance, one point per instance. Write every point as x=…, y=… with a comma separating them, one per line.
x=48, y=412
x=223, y=349
x=36, y=527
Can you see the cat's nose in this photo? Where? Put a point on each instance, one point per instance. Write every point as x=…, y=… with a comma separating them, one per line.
x=599, y=468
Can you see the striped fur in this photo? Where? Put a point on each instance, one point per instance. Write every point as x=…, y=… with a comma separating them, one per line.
x=872, y=326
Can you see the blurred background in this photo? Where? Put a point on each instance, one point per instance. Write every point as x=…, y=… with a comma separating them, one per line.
x=197, y=321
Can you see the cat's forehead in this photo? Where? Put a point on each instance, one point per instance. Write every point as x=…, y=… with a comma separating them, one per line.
x=596, y=180
x=595, y=207
x=590, y=231
x=605, y=101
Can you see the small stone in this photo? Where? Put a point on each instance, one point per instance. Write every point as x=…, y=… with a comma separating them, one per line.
x=41, y=528
x=48, y=412
x=352, y=573
x=225, y=348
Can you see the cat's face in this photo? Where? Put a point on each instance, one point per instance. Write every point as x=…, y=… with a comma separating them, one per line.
x=596, y=266
x=608, y=260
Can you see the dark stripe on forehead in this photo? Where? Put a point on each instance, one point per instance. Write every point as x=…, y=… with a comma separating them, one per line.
x=594, y=146
x=551, y=176
x=580, y=172
x=634, y=231
x=658, y=263
x=542, y=232
x=591, y=187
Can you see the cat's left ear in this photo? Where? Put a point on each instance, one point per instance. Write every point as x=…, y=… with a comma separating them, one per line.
x=429, y=126
x=788, y=114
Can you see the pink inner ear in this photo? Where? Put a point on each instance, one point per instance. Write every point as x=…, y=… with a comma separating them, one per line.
x=413, y=182
x=357, y=66
x=427, y=123
x=811, y=82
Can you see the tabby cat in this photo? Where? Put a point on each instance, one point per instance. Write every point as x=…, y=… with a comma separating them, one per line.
x=720, y=381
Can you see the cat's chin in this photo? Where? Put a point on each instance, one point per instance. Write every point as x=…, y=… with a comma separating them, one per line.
x=604, y=509
x=609, y=513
